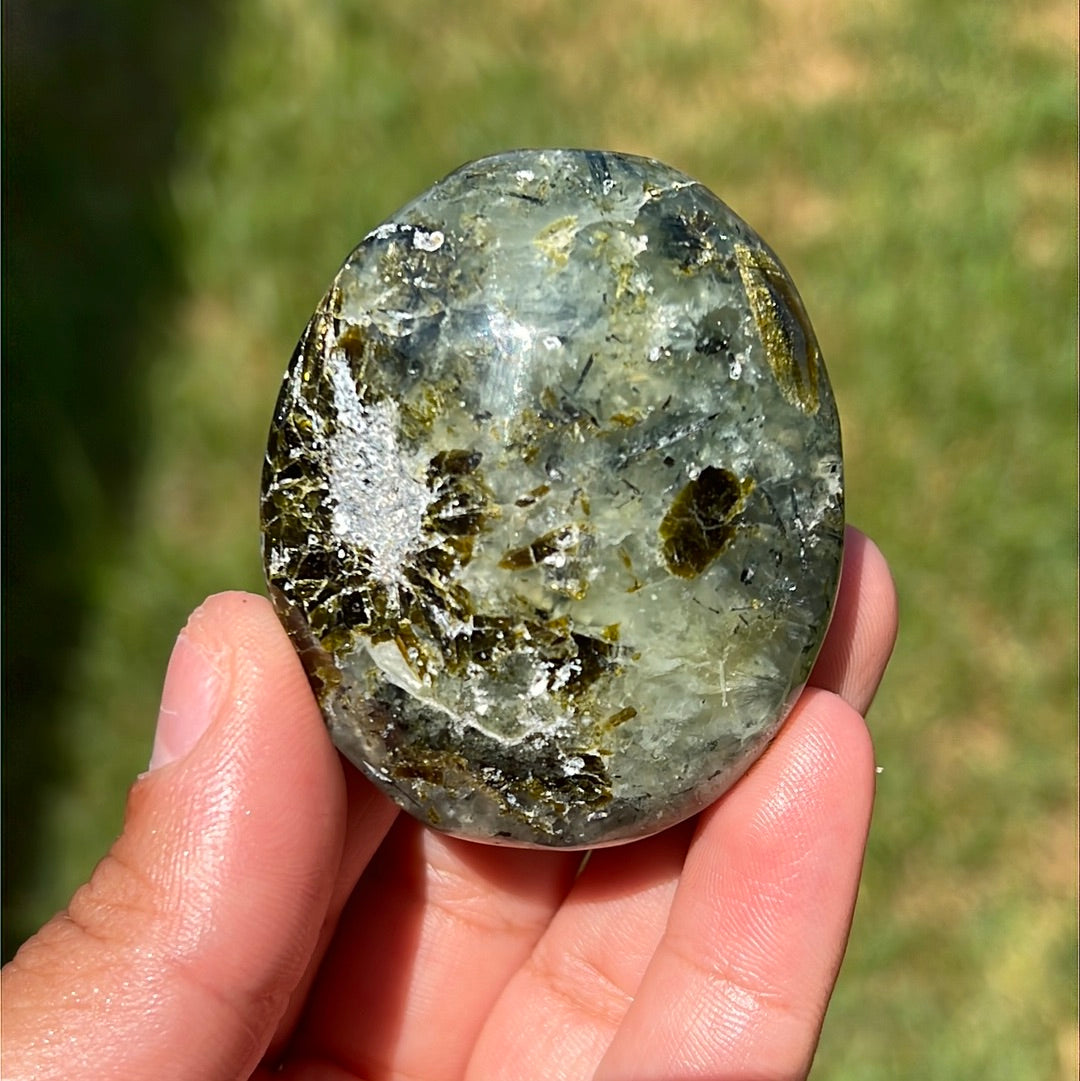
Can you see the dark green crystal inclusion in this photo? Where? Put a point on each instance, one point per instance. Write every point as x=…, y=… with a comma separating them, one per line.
x=553, y=503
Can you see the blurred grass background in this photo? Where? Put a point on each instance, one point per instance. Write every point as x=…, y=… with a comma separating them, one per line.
x=180, y=183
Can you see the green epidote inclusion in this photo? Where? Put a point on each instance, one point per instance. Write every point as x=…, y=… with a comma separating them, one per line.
x=552, y=502
x=701, y=521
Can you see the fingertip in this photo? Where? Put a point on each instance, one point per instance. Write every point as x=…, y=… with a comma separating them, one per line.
x=244, y=833
x=876, y=580
x=200, y=670
x=864, y=625
x=262, y=791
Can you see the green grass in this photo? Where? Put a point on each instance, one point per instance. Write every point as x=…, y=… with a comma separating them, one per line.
x=914, y=164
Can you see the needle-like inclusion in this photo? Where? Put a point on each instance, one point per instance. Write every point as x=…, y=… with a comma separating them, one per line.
x=553, y=502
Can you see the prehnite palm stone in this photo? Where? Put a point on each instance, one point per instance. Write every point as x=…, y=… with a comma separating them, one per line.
x=552, y=506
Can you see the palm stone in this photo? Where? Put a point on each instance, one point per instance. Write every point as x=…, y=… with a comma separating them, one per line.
x=553, y=504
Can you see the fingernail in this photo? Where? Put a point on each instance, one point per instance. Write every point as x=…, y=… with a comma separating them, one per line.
x=188, y=701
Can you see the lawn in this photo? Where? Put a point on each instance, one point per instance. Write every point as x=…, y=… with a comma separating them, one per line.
x=178, y=195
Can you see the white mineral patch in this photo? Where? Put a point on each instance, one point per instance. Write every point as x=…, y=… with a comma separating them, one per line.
x=425, y=241
x=377, y=503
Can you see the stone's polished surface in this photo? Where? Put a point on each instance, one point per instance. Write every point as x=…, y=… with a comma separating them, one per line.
x=552, y=505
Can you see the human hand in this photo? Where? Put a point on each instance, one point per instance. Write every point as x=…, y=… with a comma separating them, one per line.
x=266, y=913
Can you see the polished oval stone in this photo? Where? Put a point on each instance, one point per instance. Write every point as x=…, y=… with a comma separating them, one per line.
x=552, y=504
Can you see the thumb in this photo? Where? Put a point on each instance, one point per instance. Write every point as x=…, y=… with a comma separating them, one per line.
x=177, y=958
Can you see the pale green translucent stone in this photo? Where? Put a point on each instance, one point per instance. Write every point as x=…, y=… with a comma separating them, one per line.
x=553, y=501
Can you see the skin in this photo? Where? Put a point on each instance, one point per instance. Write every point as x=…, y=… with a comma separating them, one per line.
x=265, y=913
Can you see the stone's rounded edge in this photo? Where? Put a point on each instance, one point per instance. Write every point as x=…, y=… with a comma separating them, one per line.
x=779, y=317
x=526, y=156
x=319, y=666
